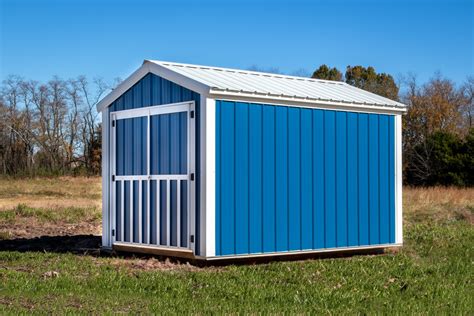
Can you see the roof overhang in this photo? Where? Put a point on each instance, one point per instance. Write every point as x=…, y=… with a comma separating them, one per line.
x=205, y=90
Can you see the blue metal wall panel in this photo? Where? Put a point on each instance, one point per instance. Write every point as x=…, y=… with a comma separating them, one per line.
x=306, y=157
x=294, y=179
x=341, y=179
x=255, y=173
x=241, y=178
x=281, y=178
x=268, y=178
x=363, y=179
x=319, y=176
x=330, y=178
x=352, y=176
x=290, y=178
x=170, y=131
x=374, y=152
x=384, y=206
x=227, y=161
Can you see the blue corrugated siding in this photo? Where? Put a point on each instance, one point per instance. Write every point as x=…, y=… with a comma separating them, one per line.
x=295, y=179
x=167, y=131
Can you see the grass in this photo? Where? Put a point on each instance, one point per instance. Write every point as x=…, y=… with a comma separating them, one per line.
x=431, y=274
x=54, y=215
x=50, y=192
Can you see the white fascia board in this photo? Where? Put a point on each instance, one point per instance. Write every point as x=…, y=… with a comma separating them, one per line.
x=309, y=103
x=161, y=71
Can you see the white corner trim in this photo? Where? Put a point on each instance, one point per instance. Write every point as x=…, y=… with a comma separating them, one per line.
x=398, y=181
x=210, y=141
x=106, y=219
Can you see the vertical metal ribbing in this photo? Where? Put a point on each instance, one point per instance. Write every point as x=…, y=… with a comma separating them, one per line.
x=122, y=211
x=140, y=218
x=158, y=211
x=178, y=213
x=168, y=221
x=130, y=213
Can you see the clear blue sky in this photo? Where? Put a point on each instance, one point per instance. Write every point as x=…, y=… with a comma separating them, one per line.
x=110, y=39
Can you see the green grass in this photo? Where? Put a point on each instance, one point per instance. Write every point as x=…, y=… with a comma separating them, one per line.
x=432, y=274
x=51, y=215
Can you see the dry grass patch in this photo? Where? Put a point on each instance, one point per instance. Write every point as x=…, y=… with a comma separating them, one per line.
x=51, y=192
x=438, y=204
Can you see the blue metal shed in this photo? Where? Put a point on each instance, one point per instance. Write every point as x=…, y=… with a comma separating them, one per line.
x=213, y=163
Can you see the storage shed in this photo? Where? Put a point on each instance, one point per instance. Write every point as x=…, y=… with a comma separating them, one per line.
x=213, y=163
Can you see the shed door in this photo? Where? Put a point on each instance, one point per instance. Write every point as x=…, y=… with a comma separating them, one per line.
x=153, y=179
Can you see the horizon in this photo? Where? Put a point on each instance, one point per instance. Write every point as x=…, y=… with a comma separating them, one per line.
x=243, y=39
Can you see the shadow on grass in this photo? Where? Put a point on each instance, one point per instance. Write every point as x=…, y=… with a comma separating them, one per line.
x=90, y=245
x=78, y=244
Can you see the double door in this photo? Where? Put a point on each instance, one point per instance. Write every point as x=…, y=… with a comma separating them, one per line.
x=152, y=160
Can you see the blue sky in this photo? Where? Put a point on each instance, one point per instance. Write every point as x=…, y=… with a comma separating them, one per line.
x=110, y=39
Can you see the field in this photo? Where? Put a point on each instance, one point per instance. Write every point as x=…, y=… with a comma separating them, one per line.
x=65, y=272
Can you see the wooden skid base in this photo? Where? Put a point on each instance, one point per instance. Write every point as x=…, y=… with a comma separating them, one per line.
x=153, y=250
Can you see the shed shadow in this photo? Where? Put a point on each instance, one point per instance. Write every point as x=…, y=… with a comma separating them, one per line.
x=77, y=244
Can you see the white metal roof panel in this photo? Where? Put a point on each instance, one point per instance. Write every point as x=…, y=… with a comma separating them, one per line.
x=254, y=84
x=222, y=83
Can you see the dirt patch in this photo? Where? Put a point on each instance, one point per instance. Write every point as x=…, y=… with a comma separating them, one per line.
x=151, y=264
x=30, y=227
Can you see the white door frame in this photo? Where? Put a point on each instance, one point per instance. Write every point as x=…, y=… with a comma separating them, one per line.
x=189, y=108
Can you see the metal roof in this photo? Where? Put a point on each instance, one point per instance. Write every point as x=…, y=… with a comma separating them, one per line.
x=216, y=82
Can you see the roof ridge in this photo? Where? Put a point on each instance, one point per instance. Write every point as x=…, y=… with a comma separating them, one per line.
x=245, y=72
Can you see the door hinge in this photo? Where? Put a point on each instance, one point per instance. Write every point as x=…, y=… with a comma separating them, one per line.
x=113, y=232
x=191, y=238
x=191, y=114
x=113, y=123
x=192, y=176
x=113, y=177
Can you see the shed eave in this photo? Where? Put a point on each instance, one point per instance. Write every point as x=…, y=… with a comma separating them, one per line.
x=251, y=97
x=150, y=67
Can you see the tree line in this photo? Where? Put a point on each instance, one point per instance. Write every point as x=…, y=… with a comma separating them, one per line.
x=53, y=127
x=438, y=131
x=50, y=128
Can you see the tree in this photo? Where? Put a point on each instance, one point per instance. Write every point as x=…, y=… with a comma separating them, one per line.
x=51, y=127
x=468, y=106
x=326, y=73
x=366, y=78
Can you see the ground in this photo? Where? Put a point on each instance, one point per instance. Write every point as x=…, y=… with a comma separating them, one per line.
x=50, y=262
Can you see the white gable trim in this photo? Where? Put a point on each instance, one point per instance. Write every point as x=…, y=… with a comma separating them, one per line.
x=150, y=67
